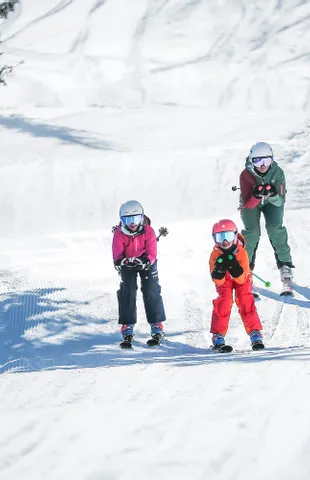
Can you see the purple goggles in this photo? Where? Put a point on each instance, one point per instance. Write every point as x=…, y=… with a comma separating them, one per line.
x=221, y=236
x=129, y=219
x=260, y=161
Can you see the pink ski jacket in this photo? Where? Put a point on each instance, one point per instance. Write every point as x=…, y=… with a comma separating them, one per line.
x=127, y=246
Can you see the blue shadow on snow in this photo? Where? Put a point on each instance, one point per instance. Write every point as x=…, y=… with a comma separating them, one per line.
x=64, y=134
x=24, y=348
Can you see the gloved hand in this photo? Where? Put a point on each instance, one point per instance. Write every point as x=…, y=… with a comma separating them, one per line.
x=233, y=266
x=143, y=263
x=125, y=263
x=220, y=268
x=270, y=191
x=118, y=264
x=258, y=191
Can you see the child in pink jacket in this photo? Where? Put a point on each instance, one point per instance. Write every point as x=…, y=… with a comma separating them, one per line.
x=135, y=252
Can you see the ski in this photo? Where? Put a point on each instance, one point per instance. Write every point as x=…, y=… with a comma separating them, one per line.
x=127, y=342
x=223, y=348
x=155, y=340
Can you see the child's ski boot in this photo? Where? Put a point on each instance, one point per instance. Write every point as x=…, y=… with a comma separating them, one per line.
x=218, y=341
x=256, y=340
x=127, y=332
x=157, y=334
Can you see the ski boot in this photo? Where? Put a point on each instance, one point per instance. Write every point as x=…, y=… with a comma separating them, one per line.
x=286, y=279
x=256, y=340
x=157, y=333
x=127, y=332
x=218, y=341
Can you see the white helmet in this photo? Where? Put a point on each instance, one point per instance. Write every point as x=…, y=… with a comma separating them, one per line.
x=131, y=213
x=132, y=207
x=260, y=150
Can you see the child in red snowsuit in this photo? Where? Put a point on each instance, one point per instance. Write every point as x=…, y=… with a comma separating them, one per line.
x=229, y=268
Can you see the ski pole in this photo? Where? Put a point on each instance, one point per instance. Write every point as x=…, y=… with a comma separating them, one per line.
x=267, y=284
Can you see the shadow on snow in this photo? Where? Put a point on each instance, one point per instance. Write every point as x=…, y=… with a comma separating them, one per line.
x=64, y=134
x=24, y=347
x=304, y=291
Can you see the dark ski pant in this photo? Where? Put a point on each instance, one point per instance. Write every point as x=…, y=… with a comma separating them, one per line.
x=245, y=302
x=151, y=291
x=277, y=233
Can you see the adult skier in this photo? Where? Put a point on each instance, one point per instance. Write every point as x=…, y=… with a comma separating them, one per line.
x=263, y=191
x=134, y=250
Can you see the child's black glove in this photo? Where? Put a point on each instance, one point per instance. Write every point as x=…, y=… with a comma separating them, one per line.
x=143, y=263
x=118, y=265
x=233, y=266
x=220, y=268
x=126, y=264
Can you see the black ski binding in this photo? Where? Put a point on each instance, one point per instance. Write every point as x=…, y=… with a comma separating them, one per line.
x=127, y=342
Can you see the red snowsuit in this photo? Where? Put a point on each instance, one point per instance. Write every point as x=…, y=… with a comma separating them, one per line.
x=243, y=297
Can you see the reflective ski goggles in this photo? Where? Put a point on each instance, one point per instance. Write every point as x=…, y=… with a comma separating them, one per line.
x=260, y=161
x=221, y=236
x=129, y=219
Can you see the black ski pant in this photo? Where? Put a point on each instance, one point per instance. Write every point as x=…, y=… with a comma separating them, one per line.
x=151, y=291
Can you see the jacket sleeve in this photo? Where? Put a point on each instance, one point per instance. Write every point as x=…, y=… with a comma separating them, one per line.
x=243, y=259
x=117, y=246
x=151, y=245
x=280, y=185
x=246, y=188
x=214, y=255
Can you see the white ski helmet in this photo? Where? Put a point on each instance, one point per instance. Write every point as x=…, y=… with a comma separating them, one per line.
x=132, y=207
x=260, y=150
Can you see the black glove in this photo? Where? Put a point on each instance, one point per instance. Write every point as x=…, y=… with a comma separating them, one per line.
x=234, y=266
x=258, y=191
x=125, y=263
x=143, y=263
x=118, y=264
x=220, y=268
x=270, y=191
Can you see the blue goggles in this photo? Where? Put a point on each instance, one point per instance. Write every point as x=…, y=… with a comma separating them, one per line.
x=221, y=236
x=260, y=161
x=128, y=220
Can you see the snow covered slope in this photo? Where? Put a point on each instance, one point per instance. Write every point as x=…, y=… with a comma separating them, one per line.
x=157, y=100
x=211, y=53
